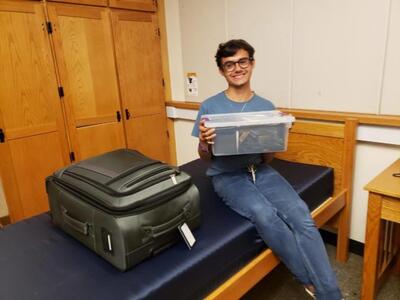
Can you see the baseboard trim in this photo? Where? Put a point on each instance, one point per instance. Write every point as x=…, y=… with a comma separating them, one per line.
x=331, y=238
x=4, y=221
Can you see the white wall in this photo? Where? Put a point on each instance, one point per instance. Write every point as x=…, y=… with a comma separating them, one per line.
x=338, y=54
x=173, y=28
x=391, y=86
x=268, y=28
x=331, y=55
x=186, y=147
x=202, y=31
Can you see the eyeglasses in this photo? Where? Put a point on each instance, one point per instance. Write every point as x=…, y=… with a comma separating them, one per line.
x=243, y=63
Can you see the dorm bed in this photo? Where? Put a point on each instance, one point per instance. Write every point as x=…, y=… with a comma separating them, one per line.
x=39, y=261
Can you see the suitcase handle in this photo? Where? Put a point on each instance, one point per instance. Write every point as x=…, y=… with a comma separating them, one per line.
x=79, y=226
x=164, y=228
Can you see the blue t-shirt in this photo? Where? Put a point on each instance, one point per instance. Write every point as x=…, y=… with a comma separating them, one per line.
x=221, y=104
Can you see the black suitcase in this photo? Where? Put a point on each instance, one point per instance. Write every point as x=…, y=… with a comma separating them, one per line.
x=123, y=205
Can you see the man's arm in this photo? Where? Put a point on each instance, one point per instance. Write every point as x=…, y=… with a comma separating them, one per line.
x=268, y=157
x=206, y=138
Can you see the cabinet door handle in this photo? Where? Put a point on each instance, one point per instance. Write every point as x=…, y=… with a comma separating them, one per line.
x=127, y=114
x=2, y=136
x=118, y=116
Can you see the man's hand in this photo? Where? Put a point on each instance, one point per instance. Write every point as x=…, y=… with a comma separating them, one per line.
x=206, y=135
x=206, y=138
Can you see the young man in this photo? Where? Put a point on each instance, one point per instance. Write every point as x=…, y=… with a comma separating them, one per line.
x=282, y=219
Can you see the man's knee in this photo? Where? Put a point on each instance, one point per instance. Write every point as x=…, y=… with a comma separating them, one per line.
x=262, y=215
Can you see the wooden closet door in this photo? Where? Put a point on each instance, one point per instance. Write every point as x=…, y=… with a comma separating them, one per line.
x=31, y=118
x=84, y=51
x=137, y=47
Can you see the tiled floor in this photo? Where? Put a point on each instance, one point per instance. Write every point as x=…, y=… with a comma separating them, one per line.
x=280, y=284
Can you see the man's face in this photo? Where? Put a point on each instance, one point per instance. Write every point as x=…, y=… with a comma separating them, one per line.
x=236, y=70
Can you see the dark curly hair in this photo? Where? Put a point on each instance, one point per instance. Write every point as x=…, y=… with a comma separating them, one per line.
x=230, y=48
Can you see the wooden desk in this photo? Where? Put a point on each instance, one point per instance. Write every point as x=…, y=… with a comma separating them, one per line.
x=382, y=237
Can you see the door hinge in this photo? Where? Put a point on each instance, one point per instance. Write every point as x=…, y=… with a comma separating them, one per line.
x=118, y=116
x=61, y=91
x=2, y=136
x=158, y=33
x=49, y=27
x=72, y=156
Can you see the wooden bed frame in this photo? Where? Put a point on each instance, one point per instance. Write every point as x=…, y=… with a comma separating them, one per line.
x=314, y=142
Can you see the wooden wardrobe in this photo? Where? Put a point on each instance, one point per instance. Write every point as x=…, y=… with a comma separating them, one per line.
x=78, y=78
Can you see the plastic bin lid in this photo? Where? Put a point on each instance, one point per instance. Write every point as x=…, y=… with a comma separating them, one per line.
x=267, y=117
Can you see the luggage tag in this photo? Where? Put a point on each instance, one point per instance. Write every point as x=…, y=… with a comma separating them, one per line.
x=173, y=178
x=187, y=235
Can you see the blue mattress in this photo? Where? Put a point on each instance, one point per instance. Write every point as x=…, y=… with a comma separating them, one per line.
x=39, y=261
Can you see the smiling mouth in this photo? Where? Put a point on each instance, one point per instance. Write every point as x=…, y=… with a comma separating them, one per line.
x=238, y=76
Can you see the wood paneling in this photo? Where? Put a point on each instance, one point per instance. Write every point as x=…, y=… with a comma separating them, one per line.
x=28, y=88
x=89, y=2
x=97, y=139
x=9, y=181
x=303, y=148
x=95, y=120
x=34, y=159
x=30, y=109
x=164, y=49
x=148, y=134
x=144, y=5
x=138, y=53
x=166, y=75
x=84, y=51
x=318, y=128
x=137, y=47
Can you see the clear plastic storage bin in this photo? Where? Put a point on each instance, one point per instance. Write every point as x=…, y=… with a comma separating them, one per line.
x=253, y=132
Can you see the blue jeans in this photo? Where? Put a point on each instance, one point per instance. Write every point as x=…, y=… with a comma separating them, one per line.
x=283, y=221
